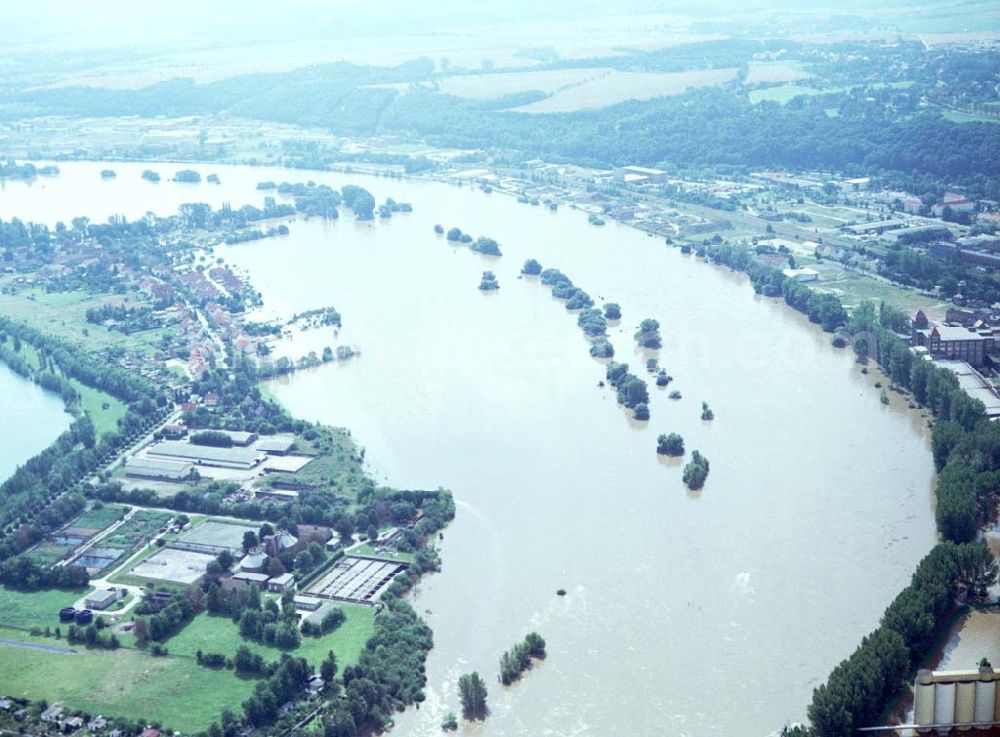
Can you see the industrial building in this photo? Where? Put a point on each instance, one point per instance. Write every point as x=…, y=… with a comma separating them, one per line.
x=101, y=599
x=801, y=275
x=248, y=578
x=278, y=445
x=207, y=455
x=239, y=438
x=947, y=699
x=639, y=175
x=955, y=342
x=157, y=470
x=280, y=584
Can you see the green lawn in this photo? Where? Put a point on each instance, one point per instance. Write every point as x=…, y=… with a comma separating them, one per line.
x=218, y=634
x=174, y=690
x=367, y=549
x=104, y=410
x=36, y=608
x=127, y=683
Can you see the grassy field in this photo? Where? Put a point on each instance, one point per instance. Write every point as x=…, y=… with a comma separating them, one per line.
x=104, y=410
x=64, y=314
x=957, y=117
x=128, y=683
x=220, y=635
x=616, y=87
x=367, y=549
x=36, y=608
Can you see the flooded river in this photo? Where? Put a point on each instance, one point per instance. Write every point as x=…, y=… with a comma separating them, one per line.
x=32, y=419
x=711, y=613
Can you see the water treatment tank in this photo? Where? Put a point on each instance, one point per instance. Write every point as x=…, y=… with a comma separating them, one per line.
x=923, y=699
x=986, y=697
x=965, y=702
x=944, y=703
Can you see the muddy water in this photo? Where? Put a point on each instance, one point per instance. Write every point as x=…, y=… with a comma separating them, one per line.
x=711, y=613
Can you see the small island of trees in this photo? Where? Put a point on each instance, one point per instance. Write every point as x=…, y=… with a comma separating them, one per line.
x=486, y=246
x=648, y=334
x=612, y=311
x=187, y=175
x=455, y=235
x=517, y=660
x=489, y=282
x=151, y=176
x=670, y=445
x=632, y=391
x=531, y=267
x=472, y=691
x=696, y=471
x=663, y=378
x=108, y=174
x=706, y=412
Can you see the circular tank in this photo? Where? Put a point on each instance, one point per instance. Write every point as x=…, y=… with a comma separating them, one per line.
x=965, y=702
x=986, y=695
x=944, y=703
x=84, y=616
x=923, y=699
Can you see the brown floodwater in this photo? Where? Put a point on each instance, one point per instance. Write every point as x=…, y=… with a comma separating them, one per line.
x=709, y=613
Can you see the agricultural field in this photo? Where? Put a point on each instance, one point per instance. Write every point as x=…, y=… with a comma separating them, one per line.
x=490, y=86
x=140, y=526
x=774, y=71
x=64, y=315
x=616, y=87
x=98, y=517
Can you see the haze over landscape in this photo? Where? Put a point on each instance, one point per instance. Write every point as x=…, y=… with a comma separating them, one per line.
x=508, y=370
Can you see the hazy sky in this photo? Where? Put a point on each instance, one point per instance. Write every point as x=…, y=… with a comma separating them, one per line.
x=103, y=23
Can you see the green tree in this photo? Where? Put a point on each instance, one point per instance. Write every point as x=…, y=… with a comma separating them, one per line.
x=472, y=690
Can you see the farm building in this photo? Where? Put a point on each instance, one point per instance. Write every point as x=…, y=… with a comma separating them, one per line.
x=101, y=599
x=240, y=458
x=158, y=470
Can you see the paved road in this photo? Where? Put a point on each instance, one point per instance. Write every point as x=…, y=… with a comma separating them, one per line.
x=38, y=646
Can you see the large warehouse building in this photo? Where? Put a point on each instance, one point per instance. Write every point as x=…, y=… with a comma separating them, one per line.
x=207, y=455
